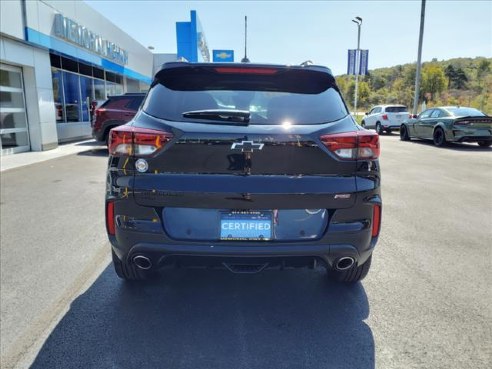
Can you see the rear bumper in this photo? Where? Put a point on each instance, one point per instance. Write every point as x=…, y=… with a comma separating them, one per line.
x=162, y=255
x=473, y=138
x=392, y=126
x=349, y=233
x=144, y=229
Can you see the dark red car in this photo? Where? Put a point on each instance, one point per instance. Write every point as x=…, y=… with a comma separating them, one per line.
x=115, y=111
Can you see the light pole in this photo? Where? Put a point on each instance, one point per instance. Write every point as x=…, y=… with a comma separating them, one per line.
x=358, y=21
x=245, y=59
x=419, y=59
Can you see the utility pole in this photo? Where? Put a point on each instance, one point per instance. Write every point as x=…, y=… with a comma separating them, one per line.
x=419, y=60
x=245, y=59
x=358, y=21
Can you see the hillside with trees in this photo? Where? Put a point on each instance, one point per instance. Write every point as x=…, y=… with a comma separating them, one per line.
x=460, y=81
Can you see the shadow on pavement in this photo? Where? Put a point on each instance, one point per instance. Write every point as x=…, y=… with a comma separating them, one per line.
x=214, y=319
x=452, y=146
x=94, y=152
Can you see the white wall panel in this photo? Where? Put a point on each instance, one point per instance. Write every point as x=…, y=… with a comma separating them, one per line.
x=15, y=52
x=43, y=69
x=46, y=105
x=11, y=18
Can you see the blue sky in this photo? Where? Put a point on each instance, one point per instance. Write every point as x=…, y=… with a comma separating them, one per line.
x=294, y=31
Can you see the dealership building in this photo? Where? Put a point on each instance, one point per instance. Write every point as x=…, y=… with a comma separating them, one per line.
x=57, y=59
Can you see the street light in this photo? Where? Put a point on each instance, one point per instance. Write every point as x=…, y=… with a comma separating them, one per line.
x=358, y=21
x=419, y=59
x=245, y=59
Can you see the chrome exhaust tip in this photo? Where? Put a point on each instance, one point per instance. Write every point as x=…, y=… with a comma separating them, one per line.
x=344, y=263
x=142, y=262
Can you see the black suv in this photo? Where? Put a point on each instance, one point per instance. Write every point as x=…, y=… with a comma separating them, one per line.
x=243, y=166
x=115, y=111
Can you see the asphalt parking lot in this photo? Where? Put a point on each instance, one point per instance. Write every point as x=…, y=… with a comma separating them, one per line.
x=426, y=302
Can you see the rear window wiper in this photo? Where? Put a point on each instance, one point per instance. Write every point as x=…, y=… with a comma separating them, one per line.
x=232, y=116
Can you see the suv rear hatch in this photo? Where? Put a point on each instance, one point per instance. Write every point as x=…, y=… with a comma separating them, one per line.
x=397, y=114
x=261, y=142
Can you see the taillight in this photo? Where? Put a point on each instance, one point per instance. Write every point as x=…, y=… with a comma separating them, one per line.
x=127, y=140
x=376, y=220
x=385, y=116
x=462, y=123
x=110, y=225
x=353, y=145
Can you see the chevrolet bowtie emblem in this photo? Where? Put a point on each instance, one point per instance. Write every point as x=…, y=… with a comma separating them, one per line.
x=247, y=146
x=223, y=55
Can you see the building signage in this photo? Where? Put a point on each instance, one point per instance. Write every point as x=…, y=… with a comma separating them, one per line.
x=223, y=56
x=71, y=31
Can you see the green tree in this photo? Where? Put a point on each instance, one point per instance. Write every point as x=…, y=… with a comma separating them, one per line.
x=364, y=93
x=460, y=79
x=450, y=72
x=433, y=80
x=483, y=68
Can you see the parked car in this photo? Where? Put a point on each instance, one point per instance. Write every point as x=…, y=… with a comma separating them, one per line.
x=449, y=124
x=115, y=111
x=246, y=167
x=385, y=118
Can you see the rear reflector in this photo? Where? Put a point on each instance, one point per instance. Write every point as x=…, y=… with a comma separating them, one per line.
x=110, y=225
x=376, y=220
x=261, y=71
x=355, y=145
x=127, y=140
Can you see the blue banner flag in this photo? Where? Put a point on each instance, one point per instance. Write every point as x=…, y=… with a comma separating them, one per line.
x=351, y=62
x=363, y=62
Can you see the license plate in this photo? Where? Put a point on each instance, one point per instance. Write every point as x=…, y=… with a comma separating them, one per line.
x=239, y=225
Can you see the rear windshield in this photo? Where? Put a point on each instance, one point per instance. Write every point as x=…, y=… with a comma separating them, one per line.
x=131, y=102
x=465, y=112
x=282, y=96
x=396, y=109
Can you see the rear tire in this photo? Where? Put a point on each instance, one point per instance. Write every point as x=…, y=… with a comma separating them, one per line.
x=439, y=138
x=404, y=134
x=352, y=275
x=379, y=128
x=484, y=143
x=127, y=272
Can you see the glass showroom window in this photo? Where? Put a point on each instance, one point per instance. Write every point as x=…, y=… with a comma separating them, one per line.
x=99, y=91
x=113, y=89
x=71, y=90
x=87, y=91
x=14, y=135
x=57, y=78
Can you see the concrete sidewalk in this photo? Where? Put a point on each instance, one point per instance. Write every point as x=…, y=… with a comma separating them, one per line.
x=26, y=158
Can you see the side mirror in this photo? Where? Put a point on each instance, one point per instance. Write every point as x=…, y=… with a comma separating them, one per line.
x=366, y=113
